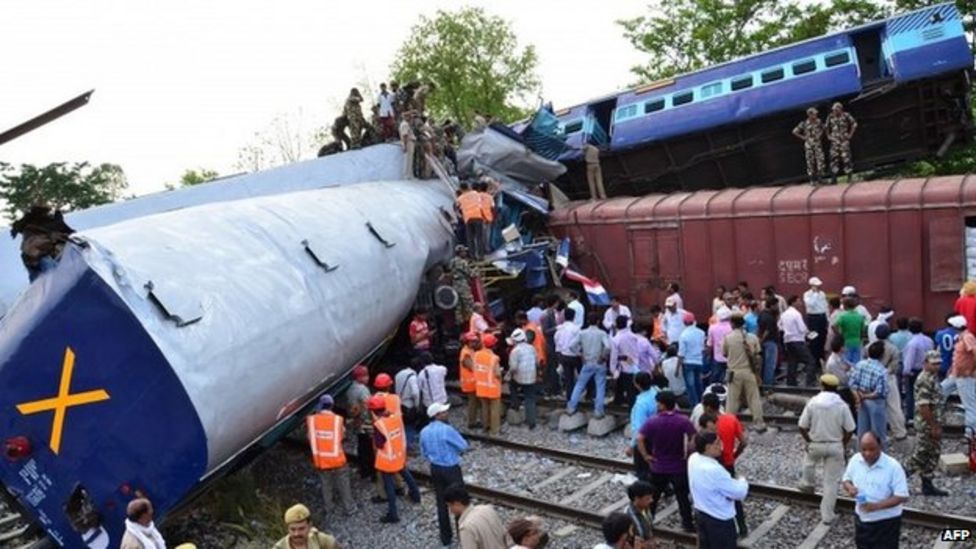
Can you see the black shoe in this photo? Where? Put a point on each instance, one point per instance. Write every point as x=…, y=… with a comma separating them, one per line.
x=387, y=519
x=929, y=489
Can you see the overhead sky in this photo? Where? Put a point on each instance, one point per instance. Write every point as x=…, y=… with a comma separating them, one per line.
x=185, y=84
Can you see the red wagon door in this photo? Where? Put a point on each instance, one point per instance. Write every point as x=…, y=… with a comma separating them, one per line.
x=655, y=260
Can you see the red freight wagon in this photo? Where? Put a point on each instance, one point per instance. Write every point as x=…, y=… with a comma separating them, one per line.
x=902, y=243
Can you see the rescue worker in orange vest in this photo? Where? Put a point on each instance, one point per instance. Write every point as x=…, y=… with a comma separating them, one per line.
x=390, y=442
x=326, y=431
x=488, y=384
x=469, y=344
x=487, y=212
x=384, y=388
x=469, y=203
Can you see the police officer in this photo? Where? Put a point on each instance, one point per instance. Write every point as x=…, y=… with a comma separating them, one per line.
x=928, y=417
x=811, y=132
x=353, y=111
x=840, y=130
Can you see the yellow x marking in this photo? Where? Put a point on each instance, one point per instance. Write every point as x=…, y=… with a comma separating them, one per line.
x=63, y=401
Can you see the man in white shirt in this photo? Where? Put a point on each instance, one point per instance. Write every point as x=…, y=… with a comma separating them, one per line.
x=576, y=305
x=523, y=370
x=568, y=350
x=408, y=141
x=538, y=309
x=674, y=320
x=714, y=493
x=795, y=339
x=386, y=114
x=877, y=482
x=408, y=390
x=431, y=381
x=884, y=315
x=815, y=303
x=672, y=292
x=610, y=316
x=826, y=426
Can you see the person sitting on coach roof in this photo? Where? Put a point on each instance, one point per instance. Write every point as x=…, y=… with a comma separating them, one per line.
x=301, y=533
x=140, y=532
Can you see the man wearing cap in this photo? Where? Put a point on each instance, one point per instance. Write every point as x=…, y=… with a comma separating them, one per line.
x=826, y=426
x=891, y=360
x=674, y=320
x=523, y=370
x=488, y=384
x=928, y=413
x=442, y=445
x=301, y=533
x=945, y=341
x=742, y=350
x=713, y=343
x=326, y=430
x=815, y=304
x=851, y=292
x=390, y=444
x=354, y=402
x=811, y=131
x=850, y=326
x=691, y=351
x=840, y=126
x=962, y=377
x=795, y=340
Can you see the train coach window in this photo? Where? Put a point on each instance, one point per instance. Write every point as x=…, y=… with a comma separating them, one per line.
x=772, y=75
x=623, y=113
x=573, y=127
x=682, y=98
x=742, y=83
x=653, y=106
x=710, y=90
x=803, y=67
x=835, y=59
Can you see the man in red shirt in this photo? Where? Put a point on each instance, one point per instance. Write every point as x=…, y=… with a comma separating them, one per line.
x=421, y=333
x=733, y=436
x=966, y=305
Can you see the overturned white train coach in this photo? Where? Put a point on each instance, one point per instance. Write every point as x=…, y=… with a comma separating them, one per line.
x=161, y=348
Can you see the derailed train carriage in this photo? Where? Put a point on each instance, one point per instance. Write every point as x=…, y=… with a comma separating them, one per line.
x=905, y=79
x=162, y=348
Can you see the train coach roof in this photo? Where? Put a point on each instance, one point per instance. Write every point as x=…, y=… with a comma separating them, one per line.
x=955, y=191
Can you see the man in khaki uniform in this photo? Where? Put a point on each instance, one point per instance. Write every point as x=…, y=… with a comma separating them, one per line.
x=479, y=526
x=301, y=533
x=741, y=349
x=594, y=173
x=826, y=425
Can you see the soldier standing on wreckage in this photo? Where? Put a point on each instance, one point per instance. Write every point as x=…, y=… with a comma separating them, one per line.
x=811, y=132
x=353, y=111
x=840, y=129
x=462, y=273
x=928, y=422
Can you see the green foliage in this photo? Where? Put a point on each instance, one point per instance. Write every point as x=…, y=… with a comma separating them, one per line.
x=686, y=35
x=474, y=60
x=62, y=185
x=194, y=177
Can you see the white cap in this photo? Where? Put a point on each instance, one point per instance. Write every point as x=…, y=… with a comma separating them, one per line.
x=723, y=313
x=437, y=408
x=848, y=290
x=814, y=281
x=670, y=301
x=958, y=322
x=518, y=336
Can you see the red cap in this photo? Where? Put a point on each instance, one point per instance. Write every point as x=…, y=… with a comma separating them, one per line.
x=376, y=402
x=489, y=340
x=689, y=318
x=360, y=373
x=383, y=381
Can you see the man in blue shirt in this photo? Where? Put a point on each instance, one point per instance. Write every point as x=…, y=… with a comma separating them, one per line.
x=442, y=445
x=913, y=360
x=945, y=341
x=691, y=351
x=869, y=380
x=644, y=408
x=877, y=482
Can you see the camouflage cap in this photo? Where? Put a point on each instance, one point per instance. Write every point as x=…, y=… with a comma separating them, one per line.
x=933, y=356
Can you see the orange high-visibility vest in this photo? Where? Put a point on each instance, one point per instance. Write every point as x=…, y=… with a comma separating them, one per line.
x=487, y=384
x=470, y=204
x=392, y=457
x=539, y=342
x=467, y=376
x=392, y=402
x=325, y=432
x=487, y=206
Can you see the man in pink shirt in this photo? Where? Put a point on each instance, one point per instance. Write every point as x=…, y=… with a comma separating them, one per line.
x=713, y=343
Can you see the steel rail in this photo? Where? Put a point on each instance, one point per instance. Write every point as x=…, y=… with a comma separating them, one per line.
x=910, y=515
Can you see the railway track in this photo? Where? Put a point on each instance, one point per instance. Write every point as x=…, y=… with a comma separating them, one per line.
x=910, y=515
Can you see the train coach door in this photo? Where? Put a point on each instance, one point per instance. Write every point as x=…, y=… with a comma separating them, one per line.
x=599, y=119
x=870, y=57
x=655, y=260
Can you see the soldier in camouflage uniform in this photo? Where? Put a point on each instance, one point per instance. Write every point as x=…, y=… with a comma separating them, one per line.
x=928, y=423
x=811, y=132
x=840, y=130
x=353, y=111
x=462, y=273
x=338, y=131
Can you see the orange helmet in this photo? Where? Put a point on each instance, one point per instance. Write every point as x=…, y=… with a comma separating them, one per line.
x=376, y=403
x=489, y=340
x=383, y=381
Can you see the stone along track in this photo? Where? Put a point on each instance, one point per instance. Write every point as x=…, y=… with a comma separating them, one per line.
x=784, y=500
